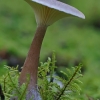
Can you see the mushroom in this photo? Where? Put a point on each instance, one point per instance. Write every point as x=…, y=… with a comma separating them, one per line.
x=46, y=13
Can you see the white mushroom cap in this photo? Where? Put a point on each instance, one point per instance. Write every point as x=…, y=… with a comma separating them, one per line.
x=49, y=11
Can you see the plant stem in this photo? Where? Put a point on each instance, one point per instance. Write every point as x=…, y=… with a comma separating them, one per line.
x=13, y=84
x=70, y=80
x=31, y=63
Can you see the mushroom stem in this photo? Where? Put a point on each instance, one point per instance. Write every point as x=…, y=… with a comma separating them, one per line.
x=31, y=63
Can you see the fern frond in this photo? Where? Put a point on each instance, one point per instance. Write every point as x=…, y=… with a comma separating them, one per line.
x=70, y=83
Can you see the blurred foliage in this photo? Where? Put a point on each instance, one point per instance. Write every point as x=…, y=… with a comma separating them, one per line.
x=2, y=70
x=74, y=40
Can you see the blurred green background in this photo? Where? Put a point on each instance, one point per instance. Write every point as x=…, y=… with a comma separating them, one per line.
x=74, y=40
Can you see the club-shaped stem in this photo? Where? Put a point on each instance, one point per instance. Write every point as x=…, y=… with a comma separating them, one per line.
x=32, y=60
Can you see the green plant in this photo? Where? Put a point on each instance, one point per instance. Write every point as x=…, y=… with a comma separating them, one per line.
x=10, y=84
x=49, y=88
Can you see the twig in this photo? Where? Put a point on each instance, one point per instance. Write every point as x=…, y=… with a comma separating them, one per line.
x=70, y=80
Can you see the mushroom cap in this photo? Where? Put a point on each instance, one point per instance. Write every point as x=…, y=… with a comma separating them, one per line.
x=49, y=11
